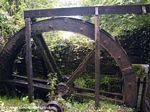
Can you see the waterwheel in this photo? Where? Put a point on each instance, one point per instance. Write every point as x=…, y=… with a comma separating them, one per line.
x=16, y=43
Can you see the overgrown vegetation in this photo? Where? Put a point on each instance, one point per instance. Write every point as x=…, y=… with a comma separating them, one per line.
x=117, y=24
x=22, y=105
x=11, y=14
x=137, y=44
x=69, y=49
x=52, y=82
x=139, y=71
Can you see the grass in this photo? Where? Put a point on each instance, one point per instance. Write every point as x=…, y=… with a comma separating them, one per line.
x=6, y=105
x=13, y=101
x=88, y=106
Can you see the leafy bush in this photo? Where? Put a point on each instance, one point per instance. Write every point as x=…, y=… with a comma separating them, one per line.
x=11, y=14
x=139, y=70
x=116, y=24
x=52, y=82
x=85, y=80
x=137, y=44
x=68, y=105
x=68, y=50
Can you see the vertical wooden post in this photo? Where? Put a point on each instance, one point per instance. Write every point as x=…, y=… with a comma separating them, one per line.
x=146, y=103
x=29, y=58
x=97, y=59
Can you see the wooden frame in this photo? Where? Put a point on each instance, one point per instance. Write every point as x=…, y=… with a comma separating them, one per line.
x=82, y=11
x=29, y=67
x=87, y=11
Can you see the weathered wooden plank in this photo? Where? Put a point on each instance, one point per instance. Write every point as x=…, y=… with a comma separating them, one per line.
x=34, y=79
x=41, y=42
x=25, y=83
x=86, y=11
x=146, y=103
x=101, y=97
x=143, y=93
x=29, y=67
x=129, y=83
x=49, y=54
x=89, y=90
x=97, y=58
x=43, y=54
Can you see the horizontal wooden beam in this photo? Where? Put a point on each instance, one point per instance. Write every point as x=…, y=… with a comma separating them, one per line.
x=25, y=83
x=89, y=90
x=101, y=97
x=86, y=11
x=34, y=79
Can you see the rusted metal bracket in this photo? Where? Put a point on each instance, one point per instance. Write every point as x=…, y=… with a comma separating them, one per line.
x=29, y=58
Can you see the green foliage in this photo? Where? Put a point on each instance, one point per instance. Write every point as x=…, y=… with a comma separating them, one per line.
x=117, y=24
x=18, y=105
x=52, y=82
x=68, y=48
x=11, y=14
x=14, y=104
x=40, y=4
x=55, y=38
x=11, y=17
x=85, y=80
x=88, y=106
x=139, y=70
x=137, y=44
x=105, y=80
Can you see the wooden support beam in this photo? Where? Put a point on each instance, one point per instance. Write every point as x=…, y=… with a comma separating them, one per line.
x=24, y=83
x=49, y=54
x=34, y=79
x=143, y=93
x=46, y=52
x=89, y=90
x=87, y=11
x=43, y=54
x=101, y=97
x=146, y=103
x=97, y=58
x=29, y=67
x=80, y=68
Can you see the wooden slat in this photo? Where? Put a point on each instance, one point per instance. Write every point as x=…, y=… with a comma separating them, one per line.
x=47, y=88
x=25, y=83
x=86, y=11
x=43, y=54
x=101, y=97
x=84, y=96
x=49, y=54
x=89, y=90
x=34, y=79
x=29, y=67
x=97, y=58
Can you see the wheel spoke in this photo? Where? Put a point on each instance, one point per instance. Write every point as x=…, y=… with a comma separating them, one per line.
x=49, y=54
x=43, y=54
x=80, y=68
